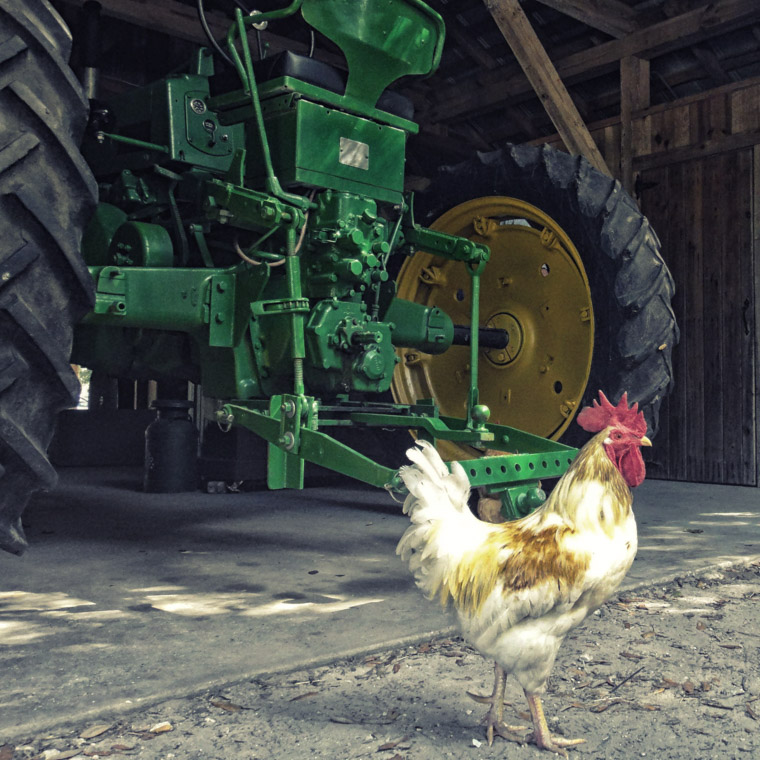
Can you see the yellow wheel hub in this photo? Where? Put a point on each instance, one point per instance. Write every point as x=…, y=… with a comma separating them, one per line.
x=535, y=288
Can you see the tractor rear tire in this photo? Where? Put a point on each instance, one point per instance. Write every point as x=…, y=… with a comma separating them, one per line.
x=629, y=282
x=47, y=194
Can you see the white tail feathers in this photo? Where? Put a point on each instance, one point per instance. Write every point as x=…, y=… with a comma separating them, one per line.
x=429, y=478
x=443, y=527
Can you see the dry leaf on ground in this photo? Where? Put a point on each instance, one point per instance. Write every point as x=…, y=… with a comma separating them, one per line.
x=224, y=705
x=305, y=695
x=93, y=731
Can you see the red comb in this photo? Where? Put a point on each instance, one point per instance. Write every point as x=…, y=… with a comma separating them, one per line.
x=602, y=414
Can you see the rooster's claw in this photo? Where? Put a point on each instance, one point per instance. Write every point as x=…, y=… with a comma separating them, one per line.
x=497, y=728
x=554, y=744
x=483, y=699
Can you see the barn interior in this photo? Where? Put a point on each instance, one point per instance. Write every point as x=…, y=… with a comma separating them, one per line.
x=662, y=96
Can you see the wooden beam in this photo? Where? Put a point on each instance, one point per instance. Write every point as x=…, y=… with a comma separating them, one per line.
x=634, y=95
x=179, y=20
x=726, y=89
x=438, y=137
x=618, y=20
x=672, y=34
x=538, y=68
x=492, y=87
x=728, y=144
x=522, y=119
x=710, y=63
x=702, y=51
x=473, y=136
x=470, y=46
x=661, y=108
x=610, y=16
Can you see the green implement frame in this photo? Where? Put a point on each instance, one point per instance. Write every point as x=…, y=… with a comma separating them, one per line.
x=292, y=425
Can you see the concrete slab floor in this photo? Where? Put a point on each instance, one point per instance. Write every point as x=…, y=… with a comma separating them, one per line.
x=126, y=598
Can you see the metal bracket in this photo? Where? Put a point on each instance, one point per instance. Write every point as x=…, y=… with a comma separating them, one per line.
x=111, y=292
x=280, y=306
x=285, y=467
x=221, y=329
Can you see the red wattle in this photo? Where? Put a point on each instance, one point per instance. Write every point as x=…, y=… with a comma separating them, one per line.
x=629, y=462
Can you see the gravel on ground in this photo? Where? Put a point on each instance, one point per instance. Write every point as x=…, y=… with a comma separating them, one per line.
x=668, y=672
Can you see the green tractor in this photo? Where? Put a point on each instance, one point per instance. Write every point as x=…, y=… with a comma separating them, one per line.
x=258, y=241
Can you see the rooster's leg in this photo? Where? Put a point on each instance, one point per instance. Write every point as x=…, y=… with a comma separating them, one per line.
x=541, y=735
x=494, y=719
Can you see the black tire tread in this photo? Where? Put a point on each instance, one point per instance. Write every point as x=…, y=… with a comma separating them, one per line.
x=47, y=195
x=630, y=282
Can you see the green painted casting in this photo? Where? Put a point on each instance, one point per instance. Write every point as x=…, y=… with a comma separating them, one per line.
x=313, y=144
x=419, y=326
x=381, y=41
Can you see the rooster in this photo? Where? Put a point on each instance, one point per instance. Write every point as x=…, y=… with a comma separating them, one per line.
x=519, y=587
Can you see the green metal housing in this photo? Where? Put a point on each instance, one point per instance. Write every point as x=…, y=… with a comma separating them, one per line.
x=243, y=241
x=315, y=144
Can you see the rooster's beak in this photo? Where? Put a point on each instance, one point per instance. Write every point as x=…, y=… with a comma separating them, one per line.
x=645, y=441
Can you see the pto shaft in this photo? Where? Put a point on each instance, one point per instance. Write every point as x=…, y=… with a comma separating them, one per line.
x=488, y=337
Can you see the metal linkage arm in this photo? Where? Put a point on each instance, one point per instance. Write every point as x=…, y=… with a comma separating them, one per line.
x=474, y=256
x=290, y=427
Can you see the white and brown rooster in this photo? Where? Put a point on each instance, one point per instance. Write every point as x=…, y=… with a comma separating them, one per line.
x=519, y=587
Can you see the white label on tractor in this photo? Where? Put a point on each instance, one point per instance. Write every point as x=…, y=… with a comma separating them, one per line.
x=354, y=153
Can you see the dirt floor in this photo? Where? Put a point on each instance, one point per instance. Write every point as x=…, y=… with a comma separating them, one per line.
x=665, y=672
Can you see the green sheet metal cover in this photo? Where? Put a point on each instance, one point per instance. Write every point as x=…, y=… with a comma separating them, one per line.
x=381, y=39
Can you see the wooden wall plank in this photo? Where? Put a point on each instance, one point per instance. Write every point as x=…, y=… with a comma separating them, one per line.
x=681, y=126
x=699, y=97
x=713, y=337
x=690, y=251
x=694, y=116
x=727, y=144
x=745, y=110
x=657, y=132
x=711, y=119
x=704, y=211
x=731, y=264
x=717, y=118
x=668, y=200
x=679, y=199
x=743, y=251
x=755, y=223
x=658, y=206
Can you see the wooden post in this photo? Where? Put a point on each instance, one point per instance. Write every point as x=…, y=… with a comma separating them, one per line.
x=542, y=75
x=634, y=95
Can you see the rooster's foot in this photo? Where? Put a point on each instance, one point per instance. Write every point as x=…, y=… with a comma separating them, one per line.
x=551, y=743
x=541, y=736
x=495, y=726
